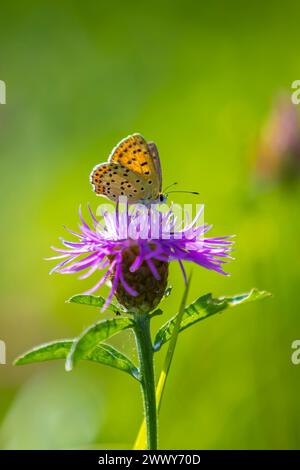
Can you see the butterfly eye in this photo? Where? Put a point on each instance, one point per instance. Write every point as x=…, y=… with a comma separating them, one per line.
x=161, y=198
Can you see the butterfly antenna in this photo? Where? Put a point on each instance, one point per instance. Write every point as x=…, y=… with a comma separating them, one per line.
x=186, y=192
x=170, y=186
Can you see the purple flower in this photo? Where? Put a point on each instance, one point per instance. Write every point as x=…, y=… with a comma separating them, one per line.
x=138, y=266
x=278, y=153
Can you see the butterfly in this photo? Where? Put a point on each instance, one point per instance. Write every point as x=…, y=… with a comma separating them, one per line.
x=133, y=170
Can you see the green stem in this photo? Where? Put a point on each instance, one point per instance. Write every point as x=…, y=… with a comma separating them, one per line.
x=145, y=352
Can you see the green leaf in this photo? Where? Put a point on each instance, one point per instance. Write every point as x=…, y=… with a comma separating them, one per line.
x=45, y=352
x=107, y=354
x=92, y=301
x=103, y=354
x=202, y=308
x=93, y=335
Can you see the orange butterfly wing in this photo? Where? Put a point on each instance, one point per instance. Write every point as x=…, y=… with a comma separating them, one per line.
x=133, y=169
x=133, y=153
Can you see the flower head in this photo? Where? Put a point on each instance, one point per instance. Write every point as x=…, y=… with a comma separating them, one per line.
x=137, y=262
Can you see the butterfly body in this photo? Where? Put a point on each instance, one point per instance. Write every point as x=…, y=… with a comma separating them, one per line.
x=133, y=170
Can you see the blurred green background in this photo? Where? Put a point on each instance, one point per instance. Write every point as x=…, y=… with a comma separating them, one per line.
x=199, y=79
